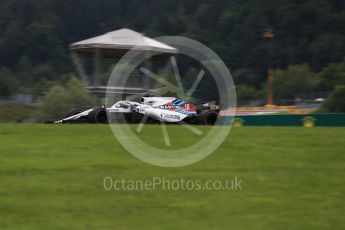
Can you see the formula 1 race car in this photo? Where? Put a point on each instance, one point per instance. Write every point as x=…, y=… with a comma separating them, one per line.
x=154, y=109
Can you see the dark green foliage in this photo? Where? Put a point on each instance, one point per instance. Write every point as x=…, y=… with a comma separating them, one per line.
x=294, y=80
x=245, y=93
x=336, y=101
x=331, y=76
x=244, y=76
x=8, y=83
x=34, y=35
x=60, y=99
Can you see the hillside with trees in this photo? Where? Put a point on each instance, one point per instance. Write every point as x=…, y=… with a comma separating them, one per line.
x=309, y=42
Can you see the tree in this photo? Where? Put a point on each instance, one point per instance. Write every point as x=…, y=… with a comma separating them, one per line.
x=336, y=101
x=8, y=83
x=24, y=71
x=244, y=76
x=60, y=99
x=294, y=80
x=37, y=33
x=331, y=76
x=78, y=96
x=245, y=93
x=44, y=71
x=54, y=105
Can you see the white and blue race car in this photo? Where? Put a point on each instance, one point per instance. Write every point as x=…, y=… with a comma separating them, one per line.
x=166, y=109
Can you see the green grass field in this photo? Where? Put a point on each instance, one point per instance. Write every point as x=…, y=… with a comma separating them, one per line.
x=51, y=177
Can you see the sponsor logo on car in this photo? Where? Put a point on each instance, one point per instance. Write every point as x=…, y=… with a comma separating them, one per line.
x=169, y=106
x=170, y=116
x=112, y=110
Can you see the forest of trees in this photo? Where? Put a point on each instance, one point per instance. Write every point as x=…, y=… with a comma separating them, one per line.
x=309, y=42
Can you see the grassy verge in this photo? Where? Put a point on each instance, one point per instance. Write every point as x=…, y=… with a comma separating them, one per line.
x=15, y=113
x=51, y=177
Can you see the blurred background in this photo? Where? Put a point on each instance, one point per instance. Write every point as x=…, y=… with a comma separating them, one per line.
x=279, y=52
x=287, y=59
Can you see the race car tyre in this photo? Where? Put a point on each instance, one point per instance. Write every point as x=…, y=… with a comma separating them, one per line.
x=98, y=115
x=208, y=117
x=73, y=112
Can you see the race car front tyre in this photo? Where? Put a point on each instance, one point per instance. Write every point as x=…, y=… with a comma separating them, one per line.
x=208, y=117
x=98, y=115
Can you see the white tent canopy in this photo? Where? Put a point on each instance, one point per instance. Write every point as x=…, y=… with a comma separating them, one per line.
x=114, y=45
x=118, y=42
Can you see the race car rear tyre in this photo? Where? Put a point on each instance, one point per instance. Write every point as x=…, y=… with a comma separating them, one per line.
x=73, y=112
x=98, y=115
x=208, y=117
